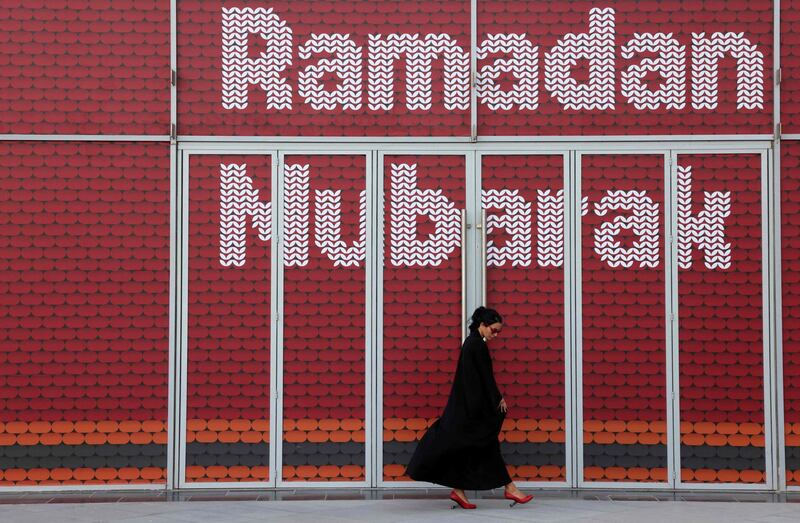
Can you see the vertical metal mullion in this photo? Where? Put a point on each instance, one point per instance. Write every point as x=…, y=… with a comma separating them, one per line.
x=379, y=234
x=174, y=396
x=183, y=320
x=276, y=181
x=775, y=265
x=277, y=366
x=675, y=435
x=777, y=278
x=767, y=314
x=577, y=309
x=174, y=303
x=569, y=324
x=670, y=270
x=173, y=71
x=377, y=423
x=473, y=60
x=467, y=243
x=476, y=272
x=369, y=348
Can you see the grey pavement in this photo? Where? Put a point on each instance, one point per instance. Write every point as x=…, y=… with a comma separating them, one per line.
x=393, y=506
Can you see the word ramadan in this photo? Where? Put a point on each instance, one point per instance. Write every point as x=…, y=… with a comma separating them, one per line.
x=501, y=56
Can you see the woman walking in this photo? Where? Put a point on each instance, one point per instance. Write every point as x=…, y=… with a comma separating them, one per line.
x=461, y=450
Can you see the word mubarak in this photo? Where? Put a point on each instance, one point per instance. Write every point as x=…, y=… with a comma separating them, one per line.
x=631, y=215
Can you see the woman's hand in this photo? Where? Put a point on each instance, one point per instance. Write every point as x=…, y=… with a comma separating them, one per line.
x=503, y=405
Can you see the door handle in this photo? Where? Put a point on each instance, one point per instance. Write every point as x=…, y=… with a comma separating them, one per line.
x=483, y=226
x=463, y=272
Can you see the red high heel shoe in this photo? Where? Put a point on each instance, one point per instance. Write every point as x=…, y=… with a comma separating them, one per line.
x=515, y=499
x=462, y=503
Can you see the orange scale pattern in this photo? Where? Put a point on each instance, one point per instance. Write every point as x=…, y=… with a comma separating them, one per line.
x=83, y=476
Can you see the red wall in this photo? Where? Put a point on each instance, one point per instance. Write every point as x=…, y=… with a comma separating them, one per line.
x=84, y=67
x=85, y=252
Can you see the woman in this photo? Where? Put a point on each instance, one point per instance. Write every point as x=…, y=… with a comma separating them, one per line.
x=461, y=450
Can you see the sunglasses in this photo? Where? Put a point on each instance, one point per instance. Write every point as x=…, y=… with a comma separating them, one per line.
x=494, y=331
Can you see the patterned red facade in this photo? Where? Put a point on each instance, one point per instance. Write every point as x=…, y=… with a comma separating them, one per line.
x=790, y=294
x=790, y=66
x=324, y=333
x=421, y=311
x=84, y=295
x=721, y=352
x=200, y=111
x=85, y=67
x=529, y=354
x=546, y=23
x=85, y=246
x=532, y=32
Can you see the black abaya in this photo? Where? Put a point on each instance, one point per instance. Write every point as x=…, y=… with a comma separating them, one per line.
x=461, y=449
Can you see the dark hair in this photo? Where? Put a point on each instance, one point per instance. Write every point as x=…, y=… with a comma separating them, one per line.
x=485, y=316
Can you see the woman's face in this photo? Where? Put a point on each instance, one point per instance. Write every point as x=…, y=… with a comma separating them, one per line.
x=490, y=331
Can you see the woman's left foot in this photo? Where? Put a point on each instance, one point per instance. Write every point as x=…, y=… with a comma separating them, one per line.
x=518, y=497
x=461, y=501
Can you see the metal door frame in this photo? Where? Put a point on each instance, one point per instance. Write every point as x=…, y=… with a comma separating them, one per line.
x=569, y=378
x=572, y=152
x=179, y=421
x=369, y=342
x=576, y=179
x=773, y=434
x=470, y=243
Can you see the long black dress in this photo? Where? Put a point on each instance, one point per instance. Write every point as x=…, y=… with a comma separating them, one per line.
x=461, y=449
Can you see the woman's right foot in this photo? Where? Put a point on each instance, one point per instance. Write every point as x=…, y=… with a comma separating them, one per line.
x=517, y=496
x=461, y=500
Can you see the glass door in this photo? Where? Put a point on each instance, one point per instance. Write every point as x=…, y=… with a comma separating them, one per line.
x=723, y=357
x=624, y=358
x=422, y=302
x=522, y=199
x=228, y=344
x=325, y=378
